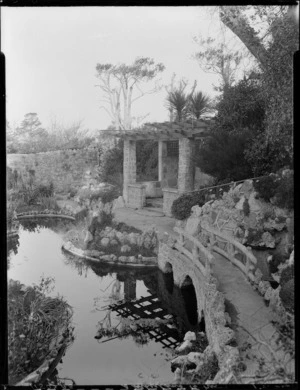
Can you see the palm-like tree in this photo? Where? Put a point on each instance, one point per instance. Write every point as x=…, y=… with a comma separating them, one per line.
x=177, y=101
x=199, y=104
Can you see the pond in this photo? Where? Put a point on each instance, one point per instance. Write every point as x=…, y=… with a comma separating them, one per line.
x=136, y=357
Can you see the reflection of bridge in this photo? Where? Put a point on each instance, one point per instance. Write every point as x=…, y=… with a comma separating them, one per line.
x=150, y=308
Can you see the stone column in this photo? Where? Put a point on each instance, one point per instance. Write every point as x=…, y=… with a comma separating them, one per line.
x=186, y=165
x=129, y=166
x=160, y=160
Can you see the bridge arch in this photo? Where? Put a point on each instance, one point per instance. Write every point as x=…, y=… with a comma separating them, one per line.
x=168, y=277
x=184, y=272
x=188, y=293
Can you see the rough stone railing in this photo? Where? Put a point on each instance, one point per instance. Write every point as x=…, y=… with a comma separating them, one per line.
x=229, y=248
x=194, y=250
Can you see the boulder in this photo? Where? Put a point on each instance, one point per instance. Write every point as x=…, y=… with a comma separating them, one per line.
x=88, y=237
x=193, y=225
x=191, y=336
x=269, y=293
x=106, y=257
x=132, y=259
x=105, y=241
x=147, y=241
x=263, y=286
x=196, y=211
x=113, y=257
x=133, y=238
x=125, y=248
x=240, y=203
x=258, y=275
x=184, y=346
x=267, y=240
x=195, y=357
x=92, y=253
x=254, y=204
x=120, y=237
x=122, y=259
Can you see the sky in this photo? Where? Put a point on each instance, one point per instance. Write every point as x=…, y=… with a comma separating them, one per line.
x=51, y=54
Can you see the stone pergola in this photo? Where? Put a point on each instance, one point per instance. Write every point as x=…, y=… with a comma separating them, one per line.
x=172, y=170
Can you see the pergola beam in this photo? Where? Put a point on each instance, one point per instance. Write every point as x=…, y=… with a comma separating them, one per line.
x=163, y=131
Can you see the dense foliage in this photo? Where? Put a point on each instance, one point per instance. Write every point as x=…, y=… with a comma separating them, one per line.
x=287, y=294
x=279, y=188
x=111, y=163
x=181, y=207
x=222, y=156
x=34, y=322
x=271, y=34
x=240, y=117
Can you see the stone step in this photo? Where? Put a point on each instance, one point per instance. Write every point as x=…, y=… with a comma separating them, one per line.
x=155, y=202
x=151, y=212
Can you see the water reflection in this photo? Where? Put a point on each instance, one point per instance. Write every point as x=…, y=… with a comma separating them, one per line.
x=134, y=355
x=13, y=243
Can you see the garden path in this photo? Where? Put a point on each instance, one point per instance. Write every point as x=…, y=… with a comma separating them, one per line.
x=252, y=323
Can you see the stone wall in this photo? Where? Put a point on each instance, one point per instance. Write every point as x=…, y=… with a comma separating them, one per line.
x=169, y=195
x=136, y=196
x=65, y=168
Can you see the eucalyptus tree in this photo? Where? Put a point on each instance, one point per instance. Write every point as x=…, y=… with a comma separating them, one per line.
x=123, y=84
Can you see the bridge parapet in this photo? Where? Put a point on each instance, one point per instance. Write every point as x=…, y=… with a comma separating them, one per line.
x=233, y=250
x=201, y=257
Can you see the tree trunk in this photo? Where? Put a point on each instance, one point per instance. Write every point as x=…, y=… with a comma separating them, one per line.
x=233, y=18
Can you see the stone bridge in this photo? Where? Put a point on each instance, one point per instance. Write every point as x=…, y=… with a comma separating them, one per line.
x=187, y=268
x=223, y=286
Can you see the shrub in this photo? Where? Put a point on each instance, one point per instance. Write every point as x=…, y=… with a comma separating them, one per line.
x=280, y=187
x=106, y=219
x=181, y=207
x=284, y=196
x=48, y=203
x=277, y=259
x=111, y=164
x=287, y=295
x=266, y=187
x=34, y=321
x=222, y=156
x=286, y=275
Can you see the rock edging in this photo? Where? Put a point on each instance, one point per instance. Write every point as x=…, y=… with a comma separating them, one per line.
x=98, y=257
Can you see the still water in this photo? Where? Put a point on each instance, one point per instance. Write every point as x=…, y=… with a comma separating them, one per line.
x=89, y=289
